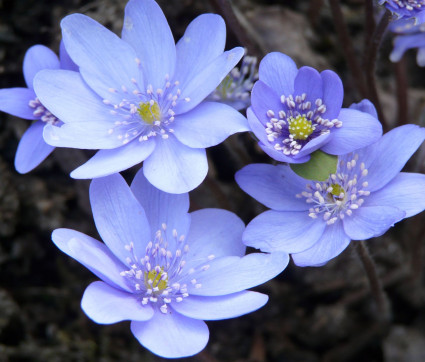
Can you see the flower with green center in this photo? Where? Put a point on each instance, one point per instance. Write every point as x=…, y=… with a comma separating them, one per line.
x=164, y=269
x=295, y=112
x=140, y=98
x=315, y=221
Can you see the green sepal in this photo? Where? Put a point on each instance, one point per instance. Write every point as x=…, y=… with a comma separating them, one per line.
x=318, y=168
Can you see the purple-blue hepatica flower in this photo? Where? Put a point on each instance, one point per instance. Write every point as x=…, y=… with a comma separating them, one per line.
x=404, y=8
x=315, y=221
x=139, y=98
x=165, y=269
x=295, y=112
x=23, y=103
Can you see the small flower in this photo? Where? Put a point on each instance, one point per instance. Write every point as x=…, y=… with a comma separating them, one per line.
x=410, y=35
x=235, y=89
x=23, y=103
x=315, y=221
x=404, y=8
x=295, y=112
x=139, y=98
x=164, y=269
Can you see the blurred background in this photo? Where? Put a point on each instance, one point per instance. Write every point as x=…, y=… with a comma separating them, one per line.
x=314, y=314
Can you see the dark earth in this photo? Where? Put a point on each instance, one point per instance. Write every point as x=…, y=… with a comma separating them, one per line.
x=314, y=314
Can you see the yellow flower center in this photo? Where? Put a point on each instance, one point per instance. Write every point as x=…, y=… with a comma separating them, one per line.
x=149, y=112
x=300, y=127
x=153, y=280
x=337, y=191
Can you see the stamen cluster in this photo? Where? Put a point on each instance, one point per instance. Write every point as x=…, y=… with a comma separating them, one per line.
x=42, y=113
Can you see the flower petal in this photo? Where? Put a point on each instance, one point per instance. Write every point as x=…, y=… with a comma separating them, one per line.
x=313, y=145
x=15, y=101
x=365, y=105
x=32, y=150
x=385, y=159
x=333, y=94
x=65, y=60
x=279, y=156
x=222, y=307
x=331, y=244
x=164, y=208
x=291, y=232
x=370, y=221
x=201, y=85
x=263, y=99
x=405, y=191
x=231, y=274
x=278, y=71
x=93, y=254
x=274, y=186
x=359, y=129
x=171, y=335
x=208, y=125
x=104, y=59
x=214, y=232
x=174, y=167
x=308, y=81
x=119, y=218
x=107, y=305
x=147, y=31
x=107, y=162
x=202, y=42
x=37, y=58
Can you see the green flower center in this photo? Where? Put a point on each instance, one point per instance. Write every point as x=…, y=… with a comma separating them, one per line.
x=149, y=112
x=155, y=280
x=337, y=191
x=300, y=127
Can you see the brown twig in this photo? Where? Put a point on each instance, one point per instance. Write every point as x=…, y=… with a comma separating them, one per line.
x=347, y=48
x=402, y=104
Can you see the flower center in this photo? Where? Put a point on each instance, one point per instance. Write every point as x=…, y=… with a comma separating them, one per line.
x=149, y=111
x=300, y=127
x=342, y=193
x=154, y=279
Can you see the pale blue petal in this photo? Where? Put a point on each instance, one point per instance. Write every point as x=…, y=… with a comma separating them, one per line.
x=120, y=219
x=332, y=243
x=201, y=85
x=308, y=81
x=32, y=150
x=371, y=221
x=257, y=127
x=214, y=232
x=406, y=191
x=404, y=43
x=263, y=99
x=65, y=60
x=274, y=186
x=385, y=159
x=208, y=125
x=231, y=274
x=359, y=129
x=104, y=59
x=333, y=94
x=174, y=167
x=107, y=305
x=67, y=96
x=313, y=145
x=365, y=105
x=93, y=254
x=15, y=101
x=37, y=58
x=107, y=162
x=164, y=208
x=147, y=31
x=278, y=71
x=171, y=335
x=222, y=307
x=286, y=231
x=202, y=42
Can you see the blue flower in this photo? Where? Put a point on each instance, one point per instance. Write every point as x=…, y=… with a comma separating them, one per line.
x=315, y=221
x=295, y=112
x=139, y=98
x=163, y=268
x=23, y=103
x=404, y=8
x=235, y=89
x=411, y=34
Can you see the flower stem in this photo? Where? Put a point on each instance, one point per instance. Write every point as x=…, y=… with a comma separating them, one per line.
x=347, y=47
x=374, y=282
x=401, y=79
x=370, y=63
